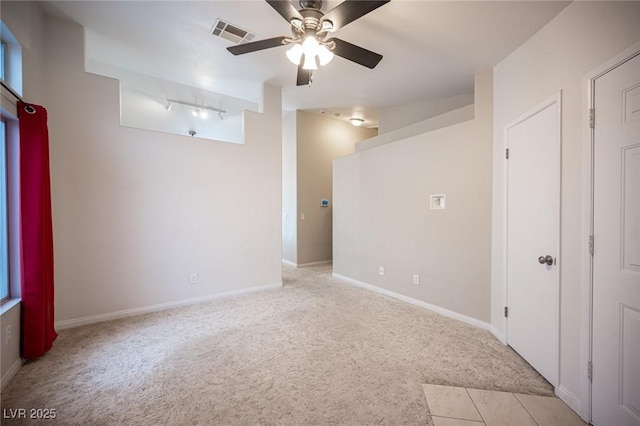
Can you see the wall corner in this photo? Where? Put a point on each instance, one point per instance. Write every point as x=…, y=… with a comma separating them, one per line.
x=484, y=96
x=270, y=99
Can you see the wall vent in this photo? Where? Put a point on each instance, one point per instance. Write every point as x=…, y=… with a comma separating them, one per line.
x=231, y=32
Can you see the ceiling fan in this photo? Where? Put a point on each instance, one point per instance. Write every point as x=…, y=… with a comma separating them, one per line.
x=310, y=28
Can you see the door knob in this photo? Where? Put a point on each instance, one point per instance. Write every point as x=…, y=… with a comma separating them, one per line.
x=545, y=259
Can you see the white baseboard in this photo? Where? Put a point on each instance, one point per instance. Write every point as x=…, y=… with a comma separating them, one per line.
x=12, y=372
x=76, y=322
x=569, y=399
x=302, y=265
x=290, y=263
x=322, y=262
x=447, y=313
x=498, y=335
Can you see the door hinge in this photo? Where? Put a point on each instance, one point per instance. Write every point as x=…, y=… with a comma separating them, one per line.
x=506, y=311
x=592, y=118
x=506, y=155
x=591, y=243
x=590, y=371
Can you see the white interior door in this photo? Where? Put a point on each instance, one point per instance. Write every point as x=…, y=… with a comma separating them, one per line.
x=533, y=206
x=616, y=260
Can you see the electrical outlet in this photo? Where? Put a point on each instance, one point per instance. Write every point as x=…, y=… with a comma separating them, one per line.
x=381, y=270
x=193, y=278
x=416, y=279
x=8, y=334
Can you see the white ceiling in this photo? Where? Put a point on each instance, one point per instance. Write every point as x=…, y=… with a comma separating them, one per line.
x=431, y=49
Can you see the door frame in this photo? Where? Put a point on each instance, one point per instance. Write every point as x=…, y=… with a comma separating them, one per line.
x=588, y=145
x=554, y=99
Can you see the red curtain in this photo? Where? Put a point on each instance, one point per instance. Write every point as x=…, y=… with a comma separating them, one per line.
x=38, y=333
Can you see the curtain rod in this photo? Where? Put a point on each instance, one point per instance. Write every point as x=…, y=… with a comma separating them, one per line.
x=27, y=106
x=13, y=92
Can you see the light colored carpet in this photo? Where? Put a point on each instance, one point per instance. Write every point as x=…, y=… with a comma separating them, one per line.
x=318, y=352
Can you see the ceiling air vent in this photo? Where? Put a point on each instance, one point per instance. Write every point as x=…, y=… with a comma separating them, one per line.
x=231, y=32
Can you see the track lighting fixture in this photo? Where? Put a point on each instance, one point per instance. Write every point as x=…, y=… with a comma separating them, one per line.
x=197, y=111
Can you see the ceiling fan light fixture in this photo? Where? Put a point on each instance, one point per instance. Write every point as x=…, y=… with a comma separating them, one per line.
x=295, y=53
x=324, y=55
x=310, y=46
x=309, y=63
x=310, y=27
x=356, y=121
x=327, y=25
x=297, y=23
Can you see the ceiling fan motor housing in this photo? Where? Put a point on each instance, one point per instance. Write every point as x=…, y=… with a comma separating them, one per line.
x=311, y=23
x=311, y=4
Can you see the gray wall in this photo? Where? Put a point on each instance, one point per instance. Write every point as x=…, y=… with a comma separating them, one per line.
x=320, y=141
x=311, y=142
x=382, y=215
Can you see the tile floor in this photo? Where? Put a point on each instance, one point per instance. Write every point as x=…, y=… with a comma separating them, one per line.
x=454, y=406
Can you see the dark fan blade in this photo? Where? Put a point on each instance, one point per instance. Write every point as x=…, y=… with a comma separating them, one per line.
x=304, y=76
x=285, y=9
x=254, y=46
x=350, y=10
x=354, y=53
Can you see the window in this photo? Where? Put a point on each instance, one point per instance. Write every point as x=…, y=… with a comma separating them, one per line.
x=11, y=76
x=3, y=60
x=11, y=55
x=4, y=216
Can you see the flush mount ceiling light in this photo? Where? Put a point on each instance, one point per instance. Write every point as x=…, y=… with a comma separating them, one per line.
x=310, y=28
x=356, y=121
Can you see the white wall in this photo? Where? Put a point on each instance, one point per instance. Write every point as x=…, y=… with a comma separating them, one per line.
x=142, y=111
x=289, y=188
x=382, y=215
x=135, y=212
x=580, y=38
x=445, y=119
x=399, y=116
x=144, y=98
